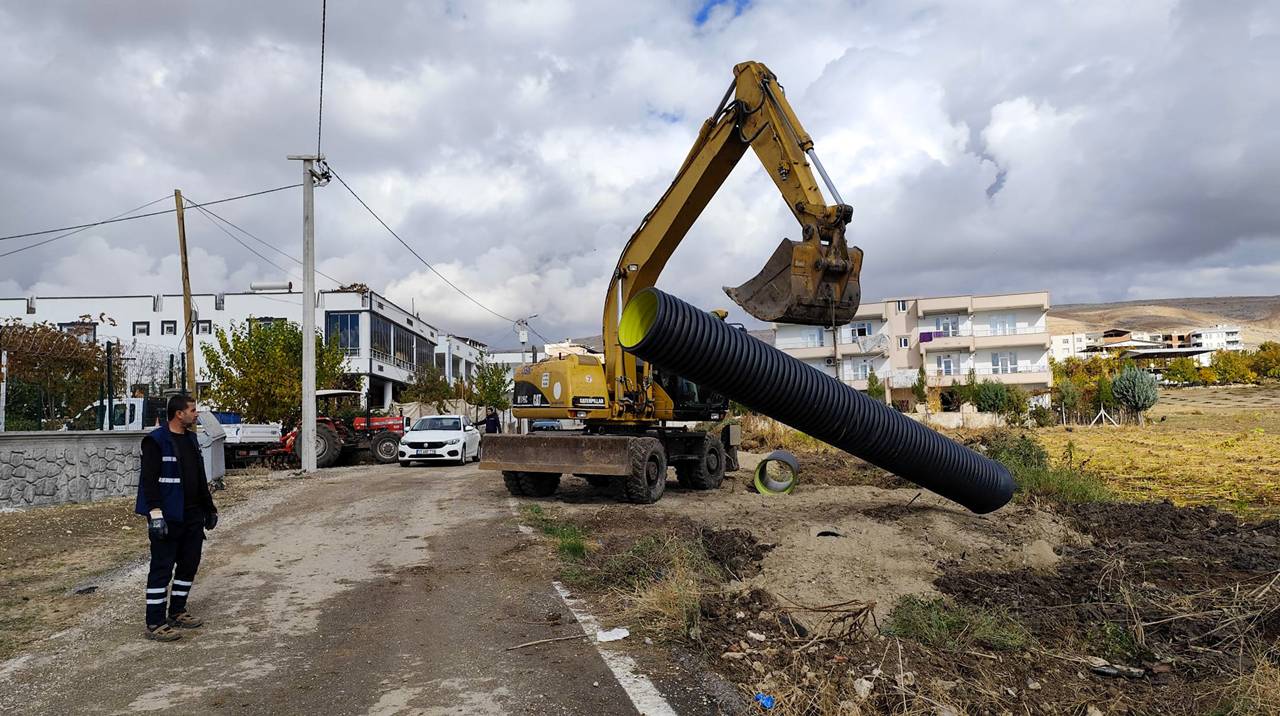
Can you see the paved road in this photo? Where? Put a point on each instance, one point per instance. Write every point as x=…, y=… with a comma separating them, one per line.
x=368, y=590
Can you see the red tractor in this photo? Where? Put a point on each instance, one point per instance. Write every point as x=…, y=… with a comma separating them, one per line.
x=334, y=438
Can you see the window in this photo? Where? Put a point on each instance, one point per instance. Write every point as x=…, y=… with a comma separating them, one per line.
x=946, y=365
x=904, y=342
x=860, y=329
x=1002, y=325
x=902, y=306
x=1004, y=363
x=424, y=352
x=861, y=370
x=438, y=423
x=84, y=331
x=380, y=338
x=142, y=328
x=946, y=326
x=204, y=328
x=403, y=348
x=168, y=328
x=345, y=327
x=812, y=338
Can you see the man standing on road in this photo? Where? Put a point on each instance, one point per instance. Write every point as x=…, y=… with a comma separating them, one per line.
x=491, y=422
x=173, y=494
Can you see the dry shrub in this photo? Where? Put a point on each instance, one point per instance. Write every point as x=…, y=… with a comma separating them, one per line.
x=762, y=434
x=1257, y=692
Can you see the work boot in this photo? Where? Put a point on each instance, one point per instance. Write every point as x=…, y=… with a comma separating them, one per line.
x=162, y=632
x=184, y=620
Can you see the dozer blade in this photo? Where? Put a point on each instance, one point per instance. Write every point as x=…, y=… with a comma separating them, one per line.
x=569, y=453
x=797, y=285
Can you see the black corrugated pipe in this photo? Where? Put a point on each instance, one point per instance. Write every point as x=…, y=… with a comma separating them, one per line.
x=676, y=336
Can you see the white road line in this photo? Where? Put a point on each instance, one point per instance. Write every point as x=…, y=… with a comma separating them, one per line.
x=644, y=695
x=515, y=512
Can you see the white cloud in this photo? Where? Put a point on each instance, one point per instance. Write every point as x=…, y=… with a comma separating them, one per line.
x=1112, y=150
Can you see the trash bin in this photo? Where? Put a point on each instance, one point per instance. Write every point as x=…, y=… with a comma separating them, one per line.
x=212, y=439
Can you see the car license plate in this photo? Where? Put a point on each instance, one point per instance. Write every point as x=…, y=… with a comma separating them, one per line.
x=426, y=452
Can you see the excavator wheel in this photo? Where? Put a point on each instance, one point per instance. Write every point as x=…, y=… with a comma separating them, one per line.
x=531, y=484
x=648, y=477
x=707, y=472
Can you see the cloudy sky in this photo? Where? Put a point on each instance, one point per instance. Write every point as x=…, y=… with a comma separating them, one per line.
x=1100, y=150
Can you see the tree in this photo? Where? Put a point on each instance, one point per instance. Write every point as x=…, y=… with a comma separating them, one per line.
x=1105, y=397
x=492, y=385
x=875, y=388
x=1069, y=396
x=255, y=369
x=1015, y=404
x=1136, y=390
x=429, y=386
x=920, y=388
x=1208, y=376
x=53, y=375
x=1232, y=367
x=967, y=392
x=1182, y=371
x=991, y=397
x=1266, y=360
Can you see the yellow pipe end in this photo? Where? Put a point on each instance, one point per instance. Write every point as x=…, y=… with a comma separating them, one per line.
x=637, y=319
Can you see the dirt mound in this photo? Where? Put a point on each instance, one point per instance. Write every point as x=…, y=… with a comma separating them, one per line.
x=737, y=551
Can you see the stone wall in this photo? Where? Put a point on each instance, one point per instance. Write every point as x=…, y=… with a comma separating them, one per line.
x=49, y=468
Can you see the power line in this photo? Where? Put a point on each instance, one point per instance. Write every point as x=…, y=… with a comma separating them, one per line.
x=415, y=253
x=236, y=239
x=122, y=217
x=267, y=244
x=76, y=231
x=320, y=114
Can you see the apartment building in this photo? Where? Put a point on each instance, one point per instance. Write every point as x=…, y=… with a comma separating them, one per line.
x=383, y=343
x=999, y=337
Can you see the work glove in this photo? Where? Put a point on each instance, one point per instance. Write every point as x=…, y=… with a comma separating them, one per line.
x=158, y=528
x=211, y=520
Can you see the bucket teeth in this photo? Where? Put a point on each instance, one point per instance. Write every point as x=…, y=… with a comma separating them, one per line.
x=780, y=294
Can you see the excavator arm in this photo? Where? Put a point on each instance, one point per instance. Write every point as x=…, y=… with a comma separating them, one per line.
x=813, y=281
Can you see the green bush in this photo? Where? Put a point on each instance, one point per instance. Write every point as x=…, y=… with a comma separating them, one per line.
x=990, y=396
x=1043, y=417
x=1135, y=389
x=875, y=388
x=944, y=624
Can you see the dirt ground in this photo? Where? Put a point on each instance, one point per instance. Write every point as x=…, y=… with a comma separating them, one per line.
x=1193, y=456
x=52, y=558
x=1122, y=608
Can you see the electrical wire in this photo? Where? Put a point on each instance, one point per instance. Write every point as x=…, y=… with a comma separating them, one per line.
x=76, y=231
x=320, y=114
x=416, y=255
x=267, y=244
x=247, y=247
x=123, y=217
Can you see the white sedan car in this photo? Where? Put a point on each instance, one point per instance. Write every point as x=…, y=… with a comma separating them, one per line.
x=440, y=437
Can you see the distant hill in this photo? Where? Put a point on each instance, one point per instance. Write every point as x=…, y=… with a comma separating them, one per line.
x=1257, y=316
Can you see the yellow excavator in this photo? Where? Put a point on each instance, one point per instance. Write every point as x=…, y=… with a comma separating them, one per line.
x=628, y=407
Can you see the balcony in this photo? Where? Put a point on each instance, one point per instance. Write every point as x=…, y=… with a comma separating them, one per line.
x=805, y=352
x=865, y=345
x=1033, y=299
x=948, y=304
x=953, y=341
x=1025, y=374
x=984, y=337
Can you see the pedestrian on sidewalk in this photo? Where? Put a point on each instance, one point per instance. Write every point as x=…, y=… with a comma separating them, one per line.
x=491, y=422
x=173, y=494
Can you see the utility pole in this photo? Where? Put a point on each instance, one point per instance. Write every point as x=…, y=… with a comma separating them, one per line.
x=4, y=384
x=110, y=388
x=307, y=430
x=188, y=329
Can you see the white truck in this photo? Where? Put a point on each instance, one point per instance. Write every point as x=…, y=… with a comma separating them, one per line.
x=245, y=442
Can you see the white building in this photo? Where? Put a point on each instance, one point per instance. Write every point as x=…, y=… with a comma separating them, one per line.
x=1067, y=345
x=1215, y=338
x=1000, y=337
x=382, y=342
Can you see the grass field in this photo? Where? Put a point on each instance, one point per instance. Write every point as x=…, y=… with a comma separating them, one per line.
x=1204, y=446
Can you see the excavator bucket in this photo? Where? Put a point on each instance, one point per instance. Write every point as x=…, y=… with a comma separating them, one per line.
x=804, y=282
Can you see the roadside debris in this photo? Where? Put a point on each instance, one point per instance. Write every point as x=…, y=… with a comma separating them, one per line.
x=545, y=641
x=612, y=634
